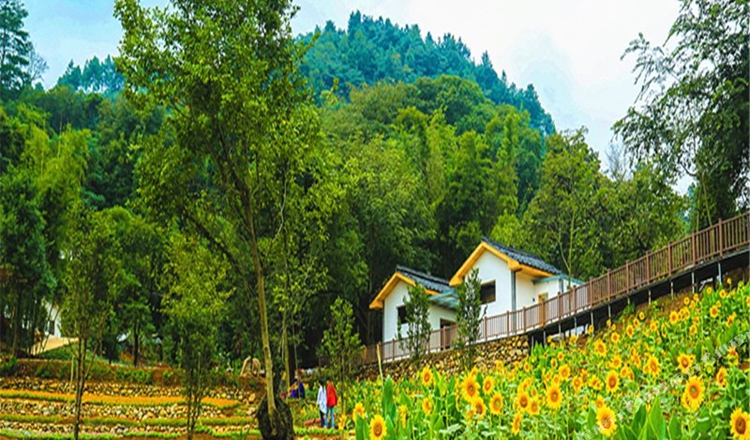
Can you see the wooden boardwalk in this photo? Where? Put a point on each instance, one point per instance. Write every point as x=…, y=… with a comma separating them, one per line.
x=702, y=255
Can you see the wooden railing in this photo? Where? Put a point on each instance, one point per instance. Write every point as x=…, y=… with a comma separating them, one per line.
x=702, y=246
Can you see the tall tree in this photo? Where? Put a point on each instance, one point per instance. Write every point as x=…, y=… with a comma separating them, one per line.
x=693, y=111
x=564, y=212
x=469, y=316
x=195, y=306
x=15, y=48
x=92, y=278
x=23, y=257
x=241, y=118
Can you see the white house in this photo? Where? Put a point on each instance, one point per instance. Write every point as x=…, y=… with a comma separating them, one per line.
x=390, y=300
x=510, y=279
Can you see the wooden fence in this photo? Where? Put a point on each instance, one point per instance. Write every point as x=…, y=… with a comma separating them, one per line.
x=725, y=237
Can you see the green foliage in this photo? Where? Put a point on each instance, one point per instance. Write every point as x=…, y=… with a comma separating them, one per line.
x=95, y=77
x=195, y=306
x=8, y=366
x=341, y=344
x=418, y=329
x=370, y=50
x=15, y=49
x=692, y=112
x=469, y=316
x=29, y=278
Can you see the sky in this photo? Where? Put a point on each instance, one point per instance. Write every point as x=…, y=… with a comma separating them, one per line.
x=570, y=50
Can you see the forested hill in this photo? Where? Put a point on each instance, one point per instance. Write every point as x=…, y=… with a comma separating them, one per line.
x=371, y=50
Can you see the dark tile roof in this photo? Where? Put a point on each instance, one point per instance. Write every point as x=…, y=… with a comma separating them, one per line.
x=523, y=257
x=430, y=282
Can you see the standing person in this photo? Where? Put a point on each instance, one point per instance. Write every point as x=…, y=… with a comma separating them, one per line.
x=322, y=402
x=331, y=401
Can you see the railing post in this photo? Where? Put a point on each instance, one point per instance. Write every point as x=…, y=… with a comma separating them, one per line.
x=693, y=250
x=627, y=277
x=609, y=282
x=721, y=239
x=485, y=328
x=669, y=258
x=648, y=268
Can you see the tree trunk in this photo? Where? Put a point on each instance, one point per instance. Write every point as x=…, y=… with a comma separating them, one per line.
x=136, y=340
x=80, y=376
x=16, y=319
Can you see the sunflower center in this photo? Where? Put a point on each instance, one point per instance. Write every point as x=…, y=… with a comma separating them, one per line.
x=694, y=391
x=612, y=382
x=606, y=422
x=740, y=425
x=555, y=396
x=377, y=429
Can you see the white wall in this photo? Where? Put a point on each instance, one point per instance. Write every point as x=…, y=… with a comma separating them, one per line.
x=53, y=313
x=526, y=292
x=390, y=313
x=491, y=268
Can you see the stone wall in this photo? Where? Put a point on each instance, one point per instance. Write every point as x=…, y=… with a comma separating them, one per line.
x=448, y=362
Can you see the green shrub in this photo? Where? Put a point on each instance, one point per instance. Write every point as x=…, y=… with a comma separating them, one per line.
x=8, y=366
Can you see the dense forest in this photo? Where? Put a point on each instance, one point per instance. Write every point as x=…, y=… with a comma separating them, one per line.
x=400, y=149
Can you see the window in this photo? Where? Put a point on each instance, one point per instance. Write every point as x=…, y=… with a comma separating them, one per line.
x=488, y=292
x=401, y=314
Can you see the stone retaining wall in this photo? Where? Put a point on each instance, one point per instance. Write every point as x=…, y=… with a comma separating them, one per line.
x=448, y=362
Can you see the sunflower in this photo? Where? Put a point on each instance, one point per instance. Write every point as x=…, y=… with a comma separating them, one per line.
x=652, y=366
x=714, y=311
x=427, y=377
x=479, y=408
x=693, y=395
x=641, y=316
x=522, y=401
x=674, y=317
x=377, y=427
x=721, y=377
x=626, y=373
x=612, y=382
x=590, y=330
x=517, y=422
x=686, y=300
x=629, y=331
x=534, y=407
x=554, y=396
x=358, y=412
x=595, y=383
x=731, y=318
x=606, y=420
x=427, y=406
x=616, y=362
x=600, y=348
x=488, y=385
x=738, y=423
x=684, y=362
x=577, y=383
x=599, y=402
x=402, y=411
x=496, y=403
x=470, y=388
x=693, y=330
x=564, y=372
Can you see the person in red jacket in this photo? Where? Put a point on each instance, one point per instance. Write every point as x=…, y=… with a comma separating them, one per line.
x=331, y=401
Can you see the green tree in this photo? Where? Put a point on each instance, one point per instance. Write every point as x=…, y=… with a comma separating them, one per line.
x=240, y=119
x=341, y=344
x=469, y=316
x=15, y=49
x=195, y=306
x=418, y=329
x=23, y=257
x=564, y=213
x=692, y=112
x=91, y=280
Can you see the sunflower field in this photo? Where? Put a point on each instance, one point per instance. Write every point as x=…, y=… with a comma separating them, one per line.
x=680, y=370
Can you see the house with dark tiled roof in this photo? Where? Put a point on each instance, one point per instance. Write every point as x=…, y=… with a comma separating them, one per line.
x=511, y=279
